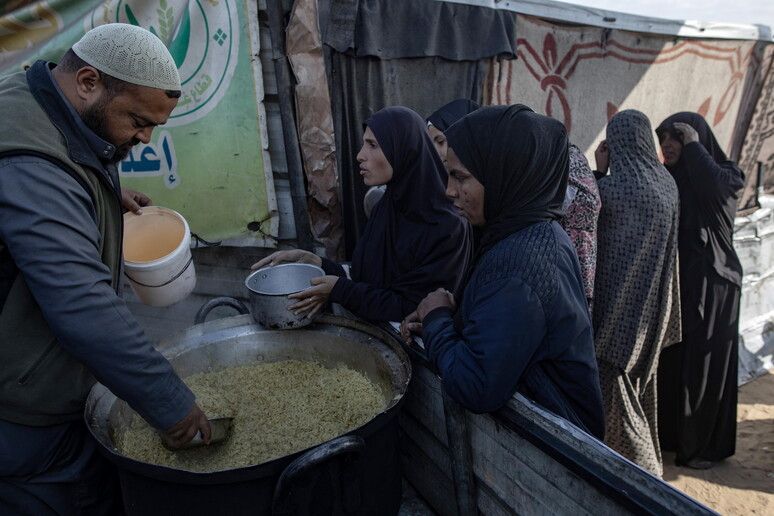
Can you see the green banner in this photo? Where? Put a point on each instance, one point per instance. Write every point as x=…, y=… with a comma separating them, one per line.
x=206, y=162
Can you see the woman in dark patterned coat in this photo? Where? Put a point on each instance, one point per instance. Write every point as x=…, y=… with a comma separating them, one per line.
x=636, y=310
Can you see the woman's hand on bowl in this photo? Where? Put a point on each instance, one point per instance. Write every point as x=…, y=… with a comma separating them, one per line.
x=290, y=256
x=313, y=299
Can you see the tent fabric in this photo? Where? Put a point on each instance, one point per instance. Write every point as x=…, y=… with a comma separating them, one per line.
x=441, y=54
x=362, y=86
x=757, y=152
x=453, y=31
x=583, y=75
x=314, y=122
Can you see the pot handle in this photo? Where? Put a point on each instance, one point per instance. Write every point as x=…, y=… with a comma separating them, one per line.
x=344, y=474
x=207, y=307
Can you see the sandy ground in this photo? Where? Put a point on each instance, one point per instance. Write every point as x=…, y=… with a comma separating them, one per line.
x=744, y=483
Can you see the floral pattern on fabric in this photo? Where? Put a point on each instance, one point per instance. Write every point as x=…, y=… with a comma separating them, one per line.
x=580, y=218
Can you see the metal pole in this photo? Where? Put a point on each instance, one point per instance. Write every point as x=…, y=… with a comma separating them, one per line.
x=759, y=183
x=298, y=193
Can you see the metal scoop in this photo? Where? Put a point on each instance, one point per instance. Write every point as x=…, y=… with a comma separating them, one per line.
x=219, y=427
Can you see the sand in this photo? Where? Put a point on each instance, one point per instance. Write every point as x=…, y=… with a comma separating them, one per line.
x=744, y=483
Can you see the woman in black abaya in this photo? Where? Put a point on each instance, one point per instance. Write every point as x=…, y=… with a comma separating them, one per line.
x=697, y=379
x=413, y=242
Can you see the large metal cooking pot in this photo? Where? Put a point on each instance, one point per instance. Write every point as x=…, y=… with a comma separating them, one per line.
x=269, y=289
x=357, y=473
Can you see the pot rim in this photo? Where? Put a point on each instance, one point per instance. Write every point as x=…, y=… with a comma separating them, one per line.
x=284, y=294
x=100, y=402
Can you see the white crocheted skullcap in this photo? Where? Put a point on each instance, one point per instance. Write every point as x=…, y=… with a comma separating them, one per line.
x=129, y=53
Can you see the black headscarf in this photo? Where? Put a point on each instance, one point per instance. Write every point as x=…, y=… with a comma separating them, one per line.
x=446, y=115
x=522, y=160
x=414, y=219
x=706, y=137
x=694, y=212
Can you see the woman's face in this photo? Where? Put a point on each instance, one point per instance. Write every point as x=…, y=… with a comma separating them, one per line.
x=374, y=167
x=465, y=190
x=439, y=140
x=671, y=148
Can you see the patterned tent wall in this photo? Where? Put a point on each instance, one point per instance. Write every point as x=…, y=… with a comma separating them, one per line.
x=583, y=75
x=757, y=153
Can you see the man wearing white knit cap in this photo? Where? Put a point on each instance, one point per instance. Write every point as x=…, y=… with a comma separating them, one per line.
x=63, y=324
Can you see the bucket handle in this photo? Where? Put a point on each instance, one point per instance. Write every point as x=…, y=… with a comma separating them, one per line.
x=187, y=264
x=347, y=484
x=185, y=267
x=207, y=307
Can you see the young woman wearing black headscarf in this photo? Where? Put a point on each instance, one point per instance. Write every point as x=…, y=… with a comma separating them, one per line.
x=437, y=123
x=697, y=379
x=444, y=117
x=413, y=242
x=523, y=323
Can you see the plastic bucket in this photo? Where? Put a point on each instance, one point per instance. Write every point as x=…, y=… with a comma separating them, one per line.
x=157, y=256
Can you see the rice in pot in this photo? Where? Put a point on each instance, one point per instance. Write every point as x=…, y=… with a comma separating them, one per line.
x=279, y=408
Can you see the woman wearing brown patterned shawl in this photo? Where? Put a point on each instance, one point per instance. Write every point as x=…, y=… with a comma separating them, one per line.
x=636, y=301
x=580, y=217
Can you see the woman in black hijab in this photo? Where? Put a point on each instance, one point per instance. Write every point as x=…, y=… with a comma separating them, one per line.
x=413, y=242
x=437, y=123
x=697, y=379
x=444, y=117
x=523, y=322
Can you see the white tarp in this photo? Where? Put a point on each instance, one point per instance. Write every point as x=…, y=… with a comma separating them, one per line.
x=594, y=17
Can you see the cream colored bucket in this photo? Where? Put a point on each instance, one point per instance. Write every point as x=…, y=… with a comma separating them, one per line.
x=157, y=256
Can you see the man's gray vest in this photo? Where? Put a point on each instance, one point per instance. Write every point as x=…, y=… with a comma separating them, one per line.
x=40, y=383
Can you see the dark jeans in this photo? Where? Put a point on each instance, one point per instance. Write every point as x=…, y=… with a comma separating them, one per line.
x=54, y=470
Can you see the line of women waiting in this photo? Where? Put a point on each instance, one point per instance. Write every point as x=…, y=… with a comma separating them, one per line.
x=608, y=296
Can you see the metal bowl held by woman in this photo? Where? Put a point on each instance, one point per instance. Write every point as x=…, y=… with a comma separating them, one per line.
x=269, y=289
x=355, y=473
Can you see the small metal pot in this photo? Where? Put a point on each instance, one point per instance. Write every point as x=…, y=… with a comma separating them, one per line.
x=269, y=289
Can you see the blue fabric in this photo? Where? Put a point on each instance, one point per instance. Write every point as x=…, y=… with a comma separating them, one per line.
x=526, y=328
x=54, y=470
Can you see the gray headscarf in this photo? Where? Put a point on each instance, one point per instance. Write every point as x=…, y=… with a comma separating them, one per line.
x=636, y=301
